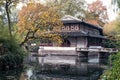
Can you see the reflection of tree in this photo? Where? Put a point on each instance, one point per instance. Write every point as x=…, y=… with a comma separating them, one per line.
x=11, y=74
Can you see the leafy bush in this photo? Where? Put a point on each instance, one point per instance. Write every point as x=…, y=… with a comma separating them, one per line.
x=114, y=72
x=11, y=54
x=109, y=43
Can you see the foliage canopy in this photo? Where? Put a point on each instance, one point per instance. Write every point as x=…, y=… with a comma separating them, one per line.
x=68, y=7
x=97, y=13
x=39, y=21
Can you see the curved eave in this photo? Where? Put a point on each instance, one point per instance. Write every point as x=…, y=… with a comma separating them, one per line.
x=81, y=34
x=97, y=36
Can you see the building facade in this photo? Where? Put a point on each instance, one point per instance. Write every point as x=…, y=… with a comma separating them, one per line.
x=77, y=33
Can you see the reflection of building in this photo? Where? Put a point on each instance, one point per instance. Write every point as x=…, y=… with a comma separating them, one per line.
x=67, y=68
x=77, y=33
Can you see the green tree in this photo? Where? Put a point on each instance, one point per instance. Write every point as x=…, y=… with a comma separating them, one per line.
x=69, y=7
x=113, y=73
x=1, y=21
x=7, y=5
x=11, y=54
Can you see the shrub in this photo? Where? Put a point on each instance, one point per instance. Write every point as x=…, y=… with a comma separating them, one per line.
x=11, y=54
x=114, y=72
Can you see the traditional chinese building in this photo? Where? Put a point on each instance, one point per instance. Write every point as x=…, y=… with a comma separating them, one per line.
x=77, y=33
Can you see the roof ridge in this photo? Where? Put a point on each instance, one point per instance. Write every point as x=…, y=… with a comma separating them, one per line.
x=69, y=17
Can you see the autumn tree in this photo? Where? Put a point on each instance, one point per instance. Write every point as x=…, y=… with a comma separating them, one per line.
x=111, y=30
x=39, y=21
x=97, y=13
x=117, y=31
x=110, y=27
x=69, y=7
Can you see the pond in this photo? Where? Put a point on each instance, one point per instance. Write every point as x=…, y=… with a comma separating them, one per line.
x=59, y=68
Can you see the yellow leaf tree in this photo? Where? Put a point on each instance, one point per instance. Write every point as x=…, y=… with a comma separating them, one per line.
x=110, y=27
x=39, y=21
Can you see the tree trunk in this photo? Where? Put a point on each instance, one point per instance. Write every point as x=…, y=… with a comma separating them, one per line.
x=26, y=39
x=8, y=18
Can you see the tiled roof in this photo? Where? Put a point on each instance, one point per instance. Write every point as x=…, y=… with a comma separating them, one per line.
x=70, y=19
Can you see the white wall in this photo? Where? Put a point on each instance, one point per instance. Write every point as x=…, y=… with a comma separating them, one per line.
x=82, y=42
x=78, y=42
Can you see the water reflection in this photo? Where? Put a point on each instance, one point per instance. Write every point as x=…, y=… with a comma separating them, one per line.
x=69, y=68
x=59, y=68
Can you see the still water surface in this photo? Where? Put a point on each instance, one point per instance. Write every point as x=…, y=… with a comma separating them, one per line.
x=59, y=68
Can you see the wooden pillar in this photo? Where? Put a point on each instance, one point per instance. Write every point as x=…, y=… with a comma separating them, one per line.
x=103, y=55
x=83, y=54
